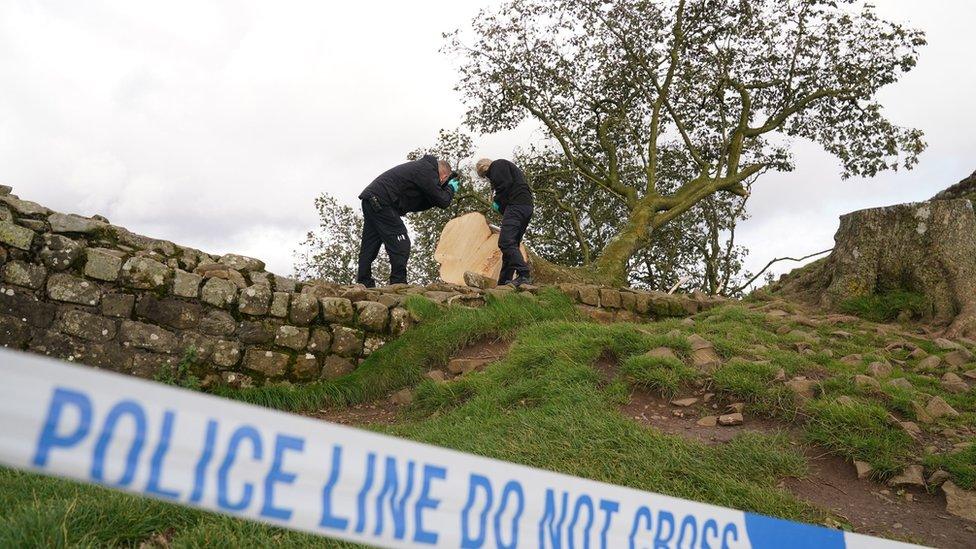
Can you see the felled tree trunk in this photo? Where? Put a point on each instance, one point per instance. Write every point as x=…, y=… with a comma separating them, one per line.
x=927, y=248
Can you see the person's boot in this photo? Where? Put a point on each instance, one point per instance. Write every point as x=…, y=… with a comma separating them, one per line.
x=521, y=279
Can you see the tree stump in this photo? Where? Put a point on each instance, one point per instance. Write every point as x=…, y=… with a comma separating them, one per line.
x=927, y=248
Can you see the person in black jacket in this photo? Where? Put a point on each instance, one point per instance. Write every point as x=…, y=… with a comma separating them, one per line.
x=513, y=199
x=411, y=187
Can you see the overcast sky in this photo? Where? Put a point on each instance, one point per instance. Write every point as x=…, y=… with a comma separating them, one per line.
x=216, y=123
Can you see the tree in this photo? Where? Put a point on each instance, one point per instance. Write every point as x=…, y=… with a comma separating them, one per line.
x=659, y=105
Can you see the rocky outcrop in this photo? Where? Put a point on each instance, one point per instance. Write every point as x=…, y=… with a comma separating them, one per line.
x=84, y=290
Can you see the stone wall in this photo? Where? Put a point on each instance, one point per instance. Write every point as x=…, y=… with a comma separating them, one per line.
x=84, y=290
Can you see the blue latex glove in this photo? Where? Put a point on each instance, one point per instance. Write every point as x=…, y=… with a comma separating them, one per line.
x=496, y=207
x=454, y=184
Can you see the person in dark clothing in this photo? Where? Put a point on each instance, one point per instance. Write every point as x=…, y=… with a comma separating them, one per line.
x=513, y=199
x=411, y=187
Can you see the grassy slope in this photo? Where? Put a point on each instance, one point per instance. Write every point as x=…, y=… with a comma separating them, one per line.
x=544, y=405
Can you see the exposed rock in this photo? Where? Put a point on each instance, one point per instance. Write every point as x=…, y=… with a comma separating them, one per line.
x=268, y=363
x=256, y=332
x=60, y=253
x=147, y=336
x=71, y=289
x=403, y=397
x=226, y=353
x=930, y=362
x=901, y=383
x=103, y=264
x=685, y=402
x=918, y=353
x=144, y=273
x=24, y=207
x=436, y=375
x=477, y=280
x=946, y=345
x=959, y=502
x=954, y=384
x=703, y=355
x=937, y=408
x=241, y=263
x=372, y=316
x=304, y=309
x=400, y=321
x=306, y=367
x=118, y=305
x=803, y=388
x=279, y=304
x=64, y=223
x=707, y=421
x=460, y=366
x=16, y=236
x=958, y=358
x=662, y=352
x=86, y=325
x=219, y=293
x=729, y=420
x=852, y=360
x=186, y=284
x=336, y=366
x=292, y=337
x=867, y=382
x=255, y=300
x=218, y=323
x=911, y=428
x=589, y=295
x=609, y=298
x=320, y=340
x=879, y=369
x=938, y=478
x=346, y=342
x=24, y=274
x=864, y=469
x=912, y=476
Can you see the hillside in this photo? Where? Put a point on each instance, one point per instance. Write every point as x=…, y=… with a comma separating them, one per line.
x=765, y=405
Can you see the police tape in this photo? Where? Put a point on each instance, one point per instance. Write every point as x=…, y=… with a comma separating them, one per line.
x=303, y=474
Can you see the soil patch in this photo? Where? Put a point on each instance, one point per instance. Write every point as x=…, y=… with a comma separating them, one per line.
x=877, y=510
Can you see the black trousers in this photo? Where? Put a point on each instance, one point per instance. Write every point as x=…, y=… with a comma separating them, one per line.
x=514, y=222
x=383, y=226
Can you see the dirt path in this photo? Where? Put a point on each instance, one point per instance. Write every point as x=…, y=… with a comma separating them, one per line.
x=915, y=516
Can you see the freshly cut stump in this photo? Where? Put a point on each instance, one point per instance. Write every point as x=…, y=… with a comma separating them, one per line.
x=469, y=243
x=927, y=248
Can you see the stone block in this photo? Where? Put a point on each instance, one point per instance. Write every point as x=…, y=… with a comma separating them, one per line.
x=304, y=309
x=226, y=353
x=144, y=273
x=21, y=273
x=346, y=341
x=14, y=332
x=71, y=289
x=320, y=340
x=14, y=235
x=241, y=263
x=86, y=325
x=337, y=309
x=267, y=363
x=23, y=305
x=371, y=315
x=336, y=366
x=218, y=323
x=306, y=368
x=203, y=346
x=628, y=301
x=257, y=332
x=610, y=298
x=219, y=293
x=102, y=264
x=400, y=321
x=292, y=337
x=372, y=344
x=24, y=207
x=186, y=284
x=60, y=253
x=153, y=365
x=255, y=300
x=589, y=295
x=149, y=337
x=279, y=304
x=262, y=278
x=66, y=223
x=286, y=285
x=169, y=312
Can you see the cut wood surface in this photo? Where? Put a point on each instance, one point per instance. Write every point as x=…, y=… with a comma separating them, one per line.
x=469, y=243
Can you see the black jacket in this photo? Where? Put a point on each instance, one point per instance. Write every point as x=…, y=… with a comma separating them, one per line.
x=508, y=182
x=411, y=187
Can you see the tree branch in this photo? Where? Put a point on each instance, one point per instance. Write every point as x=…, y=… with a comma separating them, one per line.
x=771, y=263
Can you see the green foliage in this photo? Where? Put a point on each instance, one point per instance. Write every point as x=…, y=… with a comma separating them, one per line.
x=182, y=375
x=667, y=375
x=960, y=465
x=886, y=307
x=859, y=431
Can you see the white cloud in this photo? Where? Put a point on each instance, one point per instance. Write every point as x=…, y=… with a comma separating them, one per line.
x=216, y=123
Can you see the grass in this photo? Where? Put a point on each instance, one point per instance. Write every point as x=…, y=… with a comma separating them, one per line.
x=547, y=405
x=887, y=306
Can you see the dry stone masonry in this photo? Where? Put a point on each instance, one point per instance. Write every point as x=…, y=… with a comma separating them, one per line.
x=84, y=290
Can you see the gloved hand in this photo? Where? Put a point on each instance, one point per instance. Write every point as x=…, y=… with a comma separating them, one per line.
x=496, y=207
x=454, y=184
